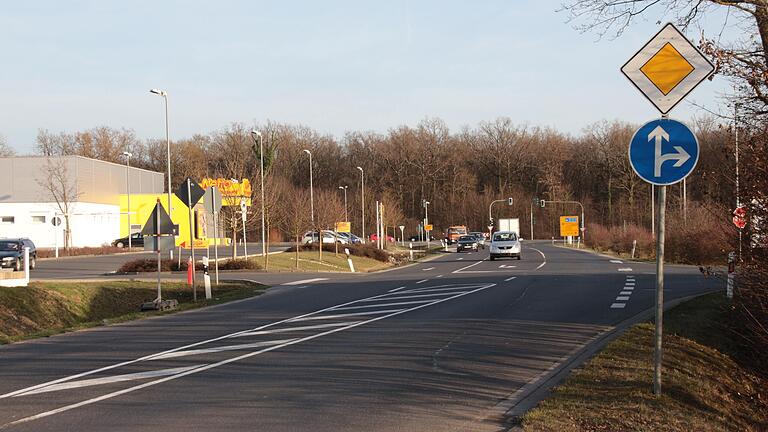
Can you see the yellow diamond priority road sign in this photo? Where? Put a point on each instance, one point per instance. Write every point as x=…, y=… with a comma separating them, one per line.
x=667, y=68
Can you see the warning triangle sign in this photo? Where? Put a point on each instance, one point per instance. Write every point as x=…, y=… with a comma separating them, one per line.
x=159, y=222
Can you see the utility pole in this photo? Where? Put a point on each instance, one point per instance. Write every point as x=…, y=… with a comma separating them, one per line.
x=362, y=199
x=346, y=214
x=128, y=192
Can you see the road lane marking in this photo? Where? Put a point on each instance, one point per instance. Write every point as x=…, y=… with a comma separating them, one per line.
x=622, y=298
x=625, y=293
x=616, y=262
x=625, y=269
x=305, y=281
x=220, y=349
x=464, y=268
x=510, y=278
x=416, y=296
x=384, y=305
x=421, y=281
x=428, y=269
x=112, y=379
x=234, y=359
x=504, y=266
x=289, y=329
x=324, y=317
x=618, y=305
x=459, y=258
x=397, y=289
x=438, y=276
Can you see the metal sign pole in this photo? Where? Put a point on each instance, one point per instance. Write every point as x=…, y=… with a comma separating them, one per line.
x=191, y=239
x=662, y=198
x=215, y=237
x=159, y=253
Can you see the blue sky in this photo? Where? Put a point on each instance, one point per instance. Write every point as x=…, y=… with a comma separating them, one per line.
x=333, y=65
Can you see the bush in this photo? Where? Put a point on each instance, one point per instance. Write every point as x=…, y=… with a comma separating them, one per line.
x=358, y=250
x=79, y=251
x=166, y=265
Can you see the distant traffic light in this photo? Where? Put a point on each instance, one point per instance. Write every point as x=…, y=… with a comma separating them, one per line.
x=509, y=201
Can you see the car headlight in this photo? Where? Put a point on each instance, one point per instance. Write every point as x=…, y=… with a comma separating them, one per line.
x=8, y=258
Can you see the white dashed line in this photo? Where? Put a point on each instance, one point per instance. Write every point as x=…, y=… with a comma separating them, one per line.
x=421, y=281
x=616, y=262
x=510, y=278
x=305, y=281
x=428, y=269
x=625, y=269
x=622, y=298
x=625, y=293
x=618, y=305
x=438, y=276
x=397, y=289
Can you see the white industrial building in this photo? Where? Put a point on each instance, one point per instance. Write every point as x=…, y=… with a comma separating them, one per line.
x=28, y=186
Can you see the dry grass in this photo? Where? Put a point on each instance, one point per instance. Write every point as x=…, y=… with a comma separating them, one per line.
x=704, y=389
x=45, y=308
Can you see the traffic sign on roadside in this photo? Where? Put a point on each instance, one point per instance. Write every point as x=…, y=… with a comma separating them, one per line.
x=159, y=223
x=190, y=192
x=740, y=217
x=56, y=221
x=663, y=152
x=344, y=227
x=569, y=226
x=212, y=200
x=667, y=68
x=428, y=227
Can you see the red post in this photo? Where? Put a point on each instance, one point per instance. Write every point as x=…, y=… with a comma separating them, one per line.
x=190, y=271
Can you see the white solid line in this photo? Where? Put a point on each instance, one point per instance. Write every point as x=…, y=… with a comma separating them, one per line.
x=618, y=305
x=541, y=265
x=383, y=304
x=111, y=379
x=400, y=297
x=510, y=278
x=616, y=262
x=397, y=289
x=227, y=361
x=299, y=282
x=625, y=269
x=464, y=268
x=622, y=298
x=290, y=329
x=421, y=281
x=435, y=289
x=428, y=269
x=324, y=317
x=625, y=293
x=221, y=349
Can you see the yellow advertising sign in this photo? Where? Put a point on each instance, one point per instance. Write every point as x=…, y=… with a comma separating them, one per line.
x=344, y=227
x=428, y=227
x=569, y=226
x=231, y=191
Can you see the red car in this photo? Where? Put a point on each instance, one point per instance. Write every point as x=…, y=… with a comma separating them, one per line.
x=374, y=238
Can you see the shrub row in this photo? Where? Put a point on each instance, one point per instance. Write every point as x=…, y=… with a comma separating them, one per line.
x=150, y=265
x=78, y=251
x=359, y=250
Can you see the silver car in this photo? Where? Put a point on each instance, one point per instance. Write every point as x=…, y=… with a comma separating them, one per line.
x=505, y=244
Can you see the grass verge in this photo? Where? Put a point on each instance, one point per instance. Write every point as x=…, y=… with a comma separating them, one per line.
x=704, y=388
x=47, y=308
x=309, y=262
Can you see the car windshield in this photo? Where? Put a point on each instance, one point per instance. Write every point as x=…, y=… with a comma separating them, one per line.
x=504, y=237
x=467, y=238
x=8, y=246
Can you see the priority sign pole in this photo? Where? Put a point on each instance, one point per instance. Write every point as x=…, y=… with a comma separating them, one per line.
x=662, y=198
x=191, y=240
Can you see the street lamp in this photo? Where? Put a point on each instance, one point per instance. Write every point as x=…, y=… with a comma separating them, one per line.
x=362, y=197
x=168, y=150
x=346, y=215
x=260, y=140
x=311, y=189
x=128, y=191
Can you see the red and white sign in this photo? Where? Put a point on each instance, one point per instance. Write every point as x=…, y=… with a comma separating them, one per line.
x=740, y=217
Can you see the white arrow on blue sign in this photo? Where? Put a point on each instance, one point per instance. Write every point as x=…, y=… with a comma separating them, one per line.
x=663, y=152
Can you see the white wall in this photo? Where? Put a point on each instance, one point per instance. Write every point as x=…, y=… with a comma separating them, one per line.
x=91, y=224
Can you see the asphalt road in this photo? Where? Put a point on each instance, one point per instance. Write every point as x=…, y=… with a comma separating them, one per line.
x=90, y=267
x=438, y=346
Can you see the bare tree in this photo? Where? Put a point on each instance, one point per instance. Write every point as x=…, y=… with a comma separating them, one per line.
x=5, y=149
x=61, y=187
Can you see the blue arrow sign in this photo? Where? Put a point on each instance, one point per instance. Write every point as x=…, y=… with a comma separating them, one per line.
x=663, y=152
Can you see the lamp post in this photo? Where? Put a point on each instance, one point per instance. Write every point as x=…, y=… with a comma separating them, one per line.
x=128, y=192
x=254, y=135
x=168, y=149
x=311, y=189
x=362, y=198
x=736, y=139
x=346, y=215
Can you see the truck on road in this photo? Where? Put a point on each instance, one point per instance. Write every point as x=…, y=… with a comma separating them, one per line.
x=511, y=224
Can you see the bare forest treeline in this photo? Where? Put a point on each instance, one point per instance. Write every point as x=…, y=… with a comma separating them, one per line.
x=459, y=172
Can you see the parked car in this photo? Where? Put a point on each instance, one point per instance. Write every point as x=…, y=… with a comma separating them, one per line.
x=505, y=244
x=12, y=253
x=137, y=240
x=374, y=238
x=351, y=238
x=467, y=242
x=480, y=238
x=329, y=237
